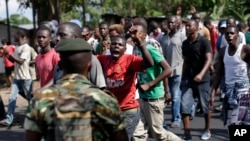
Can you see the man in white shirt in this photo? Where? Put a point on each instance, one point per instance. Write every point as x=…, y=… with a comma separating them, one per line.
x=22, y=81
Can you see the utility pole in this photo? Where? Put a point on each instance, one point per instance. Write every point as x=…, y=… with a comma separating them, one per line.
x=83, y=12
x=8, y=20
x=58, y=11
x=34, y=14
x=130, y=7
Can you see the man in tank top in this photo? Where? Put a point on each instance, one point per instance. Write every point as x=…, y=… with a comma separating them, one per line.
x=233, y=65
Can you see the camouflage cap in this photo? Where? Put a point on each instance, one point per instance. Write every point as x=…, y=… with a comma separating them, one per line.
x=73, y=45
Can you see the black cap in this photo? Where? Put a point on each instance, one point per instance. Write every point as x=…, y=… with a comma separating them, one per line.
x=77, y=44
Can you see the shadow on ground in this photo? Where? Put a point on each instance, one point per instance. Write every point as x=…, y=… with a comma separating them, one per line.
x=12, y=135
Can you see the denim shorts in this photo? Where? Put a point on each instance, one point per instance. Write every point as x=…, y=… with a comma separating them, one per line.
x=190, y=91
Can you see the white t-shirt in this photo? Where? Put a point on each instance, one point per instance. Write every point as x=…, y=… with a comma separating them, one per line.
x=22, y=71
x=129, y=49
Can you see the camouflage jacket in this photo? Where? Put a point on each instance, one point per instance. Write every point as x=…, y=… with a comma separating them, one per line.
x=106, y=118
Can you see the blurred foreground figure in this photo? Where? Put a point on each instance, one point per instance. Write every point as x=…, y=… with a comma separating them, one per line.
x=74, y=109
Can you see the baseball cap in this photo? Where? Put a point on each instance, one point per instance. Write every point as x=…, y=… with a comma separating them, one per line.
x=76, y=22
x=223, y=24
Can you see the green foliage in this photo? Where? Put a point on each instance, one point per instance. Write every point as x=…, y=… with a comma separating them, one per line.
x=72, y=14
x=139, y=7
x=238, y=9
x=16, y=19
x=214, y=9
x=76, y=9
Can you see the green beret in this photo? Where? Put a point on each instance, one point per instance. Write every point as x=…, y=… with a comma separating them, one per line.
x=77, y=44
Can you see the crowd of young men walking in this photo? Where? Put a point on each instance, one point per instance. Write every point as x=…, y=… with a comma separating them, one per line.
x=133, y=69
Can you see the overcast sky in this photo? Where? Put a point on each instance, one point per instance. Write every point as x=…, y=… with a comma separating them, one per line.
x=13, y=9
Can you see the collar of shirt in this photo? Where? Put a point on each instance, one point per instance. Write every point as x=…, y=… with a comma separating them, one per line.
x=75, y=77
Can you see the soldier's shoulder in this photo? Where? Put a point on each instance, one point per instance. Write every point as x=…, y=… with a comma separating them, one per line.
x=46, y=93
x=100, y=94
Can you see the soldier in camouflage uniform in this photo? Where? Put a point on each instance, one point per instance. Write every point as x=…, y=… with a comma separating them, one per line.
x=107, y=122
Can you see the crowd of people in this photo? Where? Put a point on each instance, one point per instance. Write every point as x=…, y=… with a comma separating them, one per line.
x=113, y=82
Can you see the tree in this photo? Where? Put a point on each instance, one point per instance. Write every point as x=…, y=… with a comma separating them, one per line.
x=44, y=9
x=16, y=20
x=62, y=9
x=237, y=9
x=65, y=10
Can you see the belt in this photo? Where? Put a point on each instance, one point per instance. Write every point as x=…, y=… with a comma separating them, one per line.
x=153, y=100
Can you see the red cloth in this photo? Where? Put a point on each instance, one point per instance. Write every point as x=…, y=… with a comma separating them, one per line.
x=214, y=37
x=45, y=65
x=7, y=62
x=120, y=77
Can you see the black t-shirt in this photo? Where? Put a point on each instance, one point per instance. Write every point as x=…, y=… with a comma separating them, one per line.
x=195, y=54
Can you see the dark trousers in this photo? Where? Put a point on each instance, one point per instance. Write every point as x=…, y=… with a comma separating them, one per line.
x=2, y=110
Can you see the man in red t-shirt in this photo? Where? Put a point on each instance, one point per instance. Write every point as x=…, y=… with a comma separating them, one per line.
x=9, y=65
x=120, y=72
x=213, y=34
x=48, y=58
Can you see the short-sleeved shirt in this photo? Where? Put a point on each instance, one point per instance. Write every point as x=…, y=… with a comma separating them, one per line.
x=157, y=91
x=96, y=75
x=213, y=36
x=22, y=71
x=172, y=51
x=11, y=50
x=195, y=55
x=204, y=31
x=45, y=65
x=120, y=77
x=106, y=112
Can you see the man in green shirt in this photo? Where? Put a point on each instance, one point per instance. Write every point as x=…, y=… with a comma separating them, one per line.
x=152, y=88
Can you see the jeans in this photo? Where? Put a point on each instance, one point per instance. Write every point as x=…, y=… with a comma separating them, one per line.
x=132, y=117
x=174, y=88
x=18, y=86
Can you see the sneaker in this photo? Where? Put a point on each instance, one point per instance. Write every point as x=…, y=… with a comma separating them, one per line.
x=175, y=124
x=206, y=135
x=218, y=108
x=187, y=138
x=5, y=123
